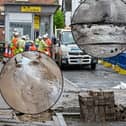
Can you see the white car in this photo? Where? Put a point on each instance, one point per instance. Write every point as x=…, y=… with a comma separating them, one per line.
x=68, y=53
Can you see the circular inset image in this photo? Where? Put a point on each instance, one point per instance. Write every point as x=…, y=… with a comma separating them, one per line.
x=31, y=82
x=98, y=27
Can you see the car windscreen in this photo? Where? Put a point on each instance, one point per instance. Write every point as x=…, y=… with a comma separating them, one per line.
x=67, y=37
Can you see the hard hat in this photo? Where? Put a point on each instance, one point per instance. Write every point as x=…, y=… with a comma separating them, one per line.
x=23, y=37
x=45, y=36
x=40, y=37
x=16, y=33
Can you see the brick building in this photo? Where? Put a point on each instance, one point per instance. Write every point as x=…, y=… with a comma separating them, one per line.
x=31, y=17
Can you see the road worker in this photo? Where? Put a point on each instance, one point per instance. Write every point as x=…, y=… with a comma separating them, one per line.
x=32, y=46
x=42, y=45
x=48, y=42
x=21, y=44
x=37, y=41
x=14, y=41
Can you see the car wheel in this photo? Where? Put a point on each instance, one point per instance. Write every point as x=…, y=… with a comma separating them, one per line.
x=93, y=66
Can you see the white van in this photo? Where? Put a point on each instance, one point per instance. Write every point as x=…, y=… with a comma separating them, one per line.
x=68, y=53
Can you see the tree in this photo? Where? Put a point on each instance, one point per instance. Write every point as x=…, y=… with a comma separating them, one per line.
x=59, y=19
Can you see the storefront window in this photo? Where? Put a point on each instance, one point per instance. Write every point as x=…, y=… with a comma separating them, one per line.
x=22, y=28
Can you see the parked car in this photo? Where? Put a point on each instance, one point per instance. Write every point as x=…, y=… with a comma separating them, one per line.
x=68, y=53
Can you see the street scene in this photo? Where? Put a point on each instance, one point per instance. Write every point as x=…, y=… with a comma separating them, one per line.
x=62, y=63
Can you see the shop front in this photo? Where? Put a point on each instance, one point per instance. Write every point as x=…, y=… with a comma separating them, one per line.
x=29, y=19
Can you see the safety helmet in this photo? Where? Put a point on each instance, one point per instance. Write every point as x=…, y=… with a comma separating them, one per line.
x=23, y=37
x=40, y=37
x=45, y=35
x=16, y=34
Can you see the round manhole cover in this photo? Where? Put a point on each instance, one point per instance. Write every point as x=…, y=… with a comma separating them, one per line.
x=31, y=82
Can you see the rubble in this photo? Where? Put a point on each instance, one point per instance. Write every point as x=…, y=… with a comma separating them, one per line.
x=99, y=106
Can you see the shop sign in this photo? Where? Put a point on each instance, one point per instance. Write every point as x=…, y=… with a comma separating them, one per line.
x=36, y=22
x=30, y=9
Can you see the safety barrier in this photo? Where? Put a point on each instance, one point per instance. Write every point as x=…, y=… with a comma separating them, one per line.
x=106, y=62
x=117, y=63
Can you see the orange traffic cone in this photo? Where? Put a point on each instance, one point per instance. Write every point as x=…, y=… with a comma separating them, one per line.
x=6, y=52
x=10, y=54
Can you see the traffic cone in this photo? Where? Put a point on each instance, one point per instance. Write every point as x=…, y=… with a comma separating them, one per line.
x=6, y=52
x=10, y=54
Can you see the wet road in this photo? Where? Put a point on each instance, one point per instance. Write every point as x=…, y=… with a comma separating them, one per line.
x=101, y=78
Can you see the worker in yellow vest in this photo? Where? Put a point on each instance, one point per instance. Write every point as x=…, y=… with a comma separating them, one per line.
x=21, y=44
x=42, y=45
x=37, y=41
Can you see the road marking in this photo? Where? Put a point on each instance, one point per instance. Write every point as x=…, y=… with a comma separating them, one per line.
x=70, y=82
x=80, y=89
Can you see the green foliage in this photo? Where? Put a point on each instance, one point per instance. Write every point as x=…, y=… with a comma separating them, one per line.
x=59, y=19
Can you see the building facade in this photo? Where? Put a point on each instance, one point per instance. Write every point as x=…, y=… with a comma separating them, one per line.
x=69, y=7
x=28, y=17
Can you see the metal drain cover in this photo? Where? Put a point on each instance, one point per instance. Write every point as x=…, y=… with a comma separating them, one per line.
x=31, y=82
